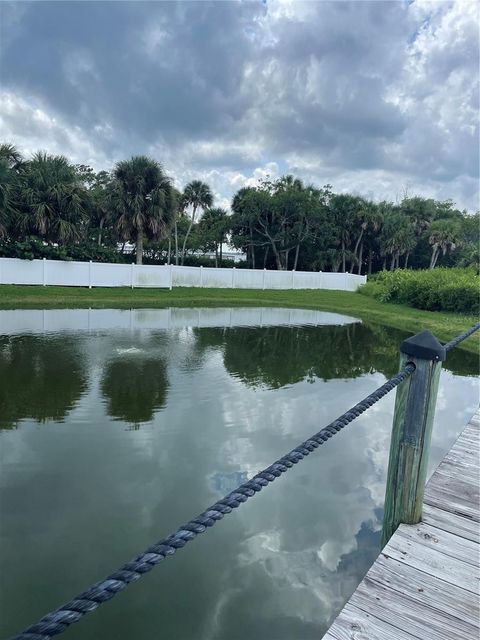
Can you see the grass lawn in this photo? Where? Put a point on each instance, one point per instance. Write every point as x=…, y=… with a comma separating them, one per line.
x=444, y=325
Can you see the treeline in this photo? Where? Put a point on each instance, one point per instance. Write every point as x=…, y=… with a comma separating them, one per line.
x=50, y=207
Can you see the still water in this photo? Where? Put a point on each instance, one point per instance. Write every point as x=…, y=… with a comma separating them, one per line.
x=118, y=426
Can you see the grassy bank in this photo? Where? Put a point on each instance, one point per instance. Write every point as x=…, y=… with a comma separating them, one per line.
x=444, y=325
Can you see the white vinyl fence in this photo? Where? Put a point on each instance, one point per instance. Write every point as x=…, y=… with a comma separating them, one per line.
x=99, y=274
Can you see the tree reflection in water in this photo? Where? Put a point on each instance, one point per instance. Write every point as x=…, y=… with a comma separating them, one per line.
x=42, y=378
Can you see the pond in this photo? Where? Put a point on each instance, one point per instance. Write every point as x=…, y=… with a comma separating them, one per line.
x=118, y=426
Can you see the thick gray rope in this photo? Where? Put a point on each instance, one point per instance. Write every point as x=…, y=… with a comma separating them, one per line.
x=58, y=621
x=453, y=343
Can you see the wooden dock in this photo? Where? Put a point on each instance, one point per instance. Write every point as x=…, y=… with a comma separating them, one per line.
x=424, y=585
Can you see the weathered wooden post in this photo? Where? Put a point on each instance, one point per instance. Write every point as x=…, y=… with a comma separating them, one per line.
x=411, y=433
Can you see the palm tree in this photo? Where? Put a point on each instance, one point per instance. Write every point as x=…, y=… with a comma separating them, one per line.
x=198, y=195
x=52, y=200
x=443, y=236
x=397, y=237
x=10, y=161
x=421, y=212
x=343, y=211
x=146, y=201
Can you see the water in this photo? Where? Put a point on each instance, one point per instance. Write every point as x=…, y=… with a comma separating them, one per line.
x=114, y=431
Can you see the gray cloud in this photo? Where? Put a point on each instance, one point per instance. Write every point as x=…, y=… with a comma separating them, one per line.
x=371, y=96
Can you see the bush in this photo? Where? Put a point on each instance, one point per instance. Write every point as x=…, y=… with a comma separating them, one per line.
x=437, y=289
x=33, y=248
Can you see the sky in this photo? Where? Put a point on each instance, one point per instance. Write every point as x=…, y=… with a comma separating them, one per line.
x=375, y=98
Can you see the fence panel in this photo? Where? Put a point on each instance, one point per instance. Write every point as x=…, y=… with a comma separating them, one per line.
x=249, y=278
x=221, y=278
x=151, y=276
x=16, y=271
x=278, y=280
x=186, y=276
x=67, y=274
x=111, y=275
x=307, y=280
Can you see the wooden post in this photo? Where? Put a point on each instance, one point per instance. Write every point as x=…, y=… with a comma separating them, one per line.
x=411, y=433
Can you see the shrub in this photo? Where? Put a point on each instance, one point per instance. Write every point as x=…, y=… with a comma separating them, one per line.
x=437, y=289
x=32, y=247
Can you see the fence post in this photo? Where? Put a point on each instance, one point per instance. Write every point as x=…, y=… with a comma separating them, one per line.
x=90, y=274
x=132, y=267
x=233, y=277
x=264, y=272
x=411, y=432
x=201, y=276
x=293, y=278
x=44, y=272
x=171, y=276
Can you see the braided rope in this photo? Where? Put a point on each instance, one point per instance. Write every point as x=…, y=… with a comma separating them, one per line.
x=453, y=343
x=58, y=621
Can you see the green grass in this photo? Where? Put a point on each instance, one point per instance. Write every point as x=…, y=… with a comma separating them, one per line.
x=444, y=325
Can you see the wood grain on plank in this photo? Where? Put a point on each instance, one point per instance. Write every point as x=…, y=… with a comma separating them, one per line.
x=355, y=624
x=441, y=541
x=432, y=562
x=419, y=586
x=451, y=522
x=398, y=609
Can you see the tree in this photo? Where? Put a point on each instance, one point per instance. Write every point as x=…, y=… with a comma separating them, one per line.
x=10, y=161
x=443, y=235
x=397, y=236
x=420, y=212
x=198, y=195
x=104, y=196
x=145, y=200
x=52, y=201
x=344, y=209
x=212, y=230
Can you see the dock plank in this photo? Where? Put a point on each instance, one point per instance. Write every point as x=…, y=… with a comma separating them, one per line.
x=451, y=522
x=425, y=582
x=355, y=624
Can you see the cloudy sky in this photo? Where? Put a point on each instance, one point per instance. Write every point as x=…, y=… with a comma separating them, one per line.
x=371, y=97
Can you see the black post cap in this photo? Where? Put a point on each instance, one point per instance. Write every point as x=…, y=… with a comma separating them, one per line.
x=424, y=346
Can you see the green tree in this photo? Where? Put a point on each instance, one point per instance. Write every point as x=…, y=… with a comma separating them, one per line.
x=198, y=195
x=212, y=229
x=443, y=236
x=420, y=212
x=52, y=202
x=397, y=236
x=10, y=162
x=344, y=211
x=145, y=202
x=104, y=205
